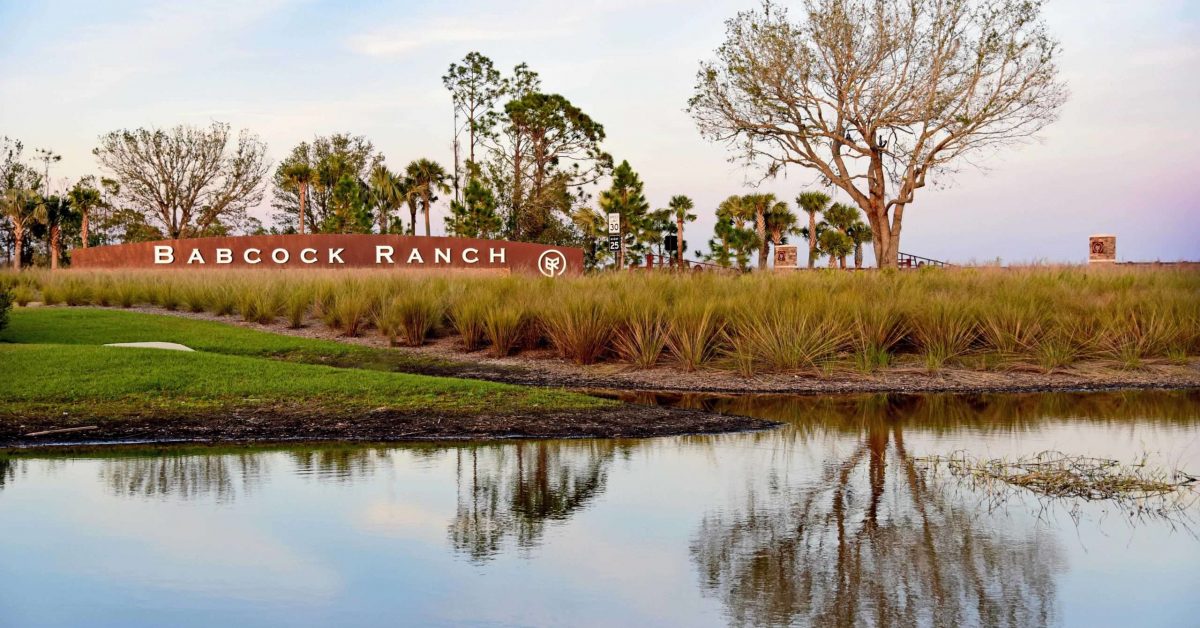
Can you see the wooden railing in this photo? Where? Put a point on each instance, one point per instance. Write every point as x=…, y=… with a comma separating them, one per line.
x=908, y=260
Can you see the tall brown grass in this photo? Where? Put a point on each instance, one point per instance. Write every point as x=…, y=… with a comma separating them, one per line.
x=1047, y=319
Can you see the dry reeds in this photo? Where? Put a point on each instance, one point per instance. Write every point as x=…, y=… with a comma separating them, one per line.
x=1049, y=319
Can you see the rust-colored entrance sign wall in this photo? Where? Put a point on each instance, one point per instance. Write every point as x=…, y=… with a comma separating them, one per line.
x=336, y=251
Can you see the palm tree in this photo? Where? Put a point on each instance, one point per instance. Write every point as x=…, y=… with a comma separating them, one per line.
x=84, y=197
x=387, y=190
x=425, y=177
x=781, y=222
x=841, y=217
x=860, y=233
x=757, y=205
x=812, y=203
x=837, y=245
x=300, y=175
x=681, y=207
x=593, y=224
x=22, y=207
x=55, y=211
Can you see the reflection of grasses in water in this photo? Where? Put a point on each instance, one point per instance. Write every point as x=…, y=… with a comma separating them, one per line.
x=871, y=542
x=1135, y=489
x=942, y=412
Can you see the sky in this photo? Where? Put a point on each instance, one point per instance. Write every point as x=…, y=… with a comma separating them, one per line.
x=1124, y=157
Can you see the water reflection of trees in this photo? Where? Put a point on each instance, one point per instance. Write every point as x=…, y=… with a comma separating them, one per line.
x=872, y=543
x=344, y=464
x=8, y=471
x=183, y=476
x=945, y=412
x=511, y=492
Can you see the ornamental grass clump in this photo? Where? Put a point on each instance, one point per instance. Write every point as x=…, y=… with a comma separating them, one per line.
x=125, y=293
x=76, y=292
x=468, y=318
x=22, y=295
x=783, y=339
x=693, y=337
x=52, y=294
x=641, y=332
x=296, y=306
x=942, y=331
x=412, y=315
x=874, y=332
x=580, y=326
x=165, y=294
x=1132, y=337
x=353, y=309
x=1011, y=329
x=246, y=299
x=505, y=327
x=196, y=297
x=268, y=305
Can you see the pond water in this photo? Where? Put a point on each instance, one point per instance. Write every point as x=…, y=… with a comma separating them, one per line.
x=827, y=521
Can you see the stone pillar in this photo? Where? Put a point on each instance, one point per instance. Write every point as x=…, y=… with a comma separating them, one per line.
x=1102, y=249
x=786, y=257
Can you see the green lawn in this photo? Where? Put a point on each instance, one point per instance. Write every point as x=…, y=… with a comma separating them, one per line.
x=51, y=361
x=87, y=326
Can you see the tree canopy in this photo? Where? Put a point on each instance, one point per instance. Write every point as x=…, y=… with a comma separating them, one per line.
x=879, y=97
x=188, y=180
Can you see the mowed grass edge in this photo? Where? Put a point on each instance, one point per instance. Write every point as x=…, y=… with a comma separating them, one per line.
x=52, y=361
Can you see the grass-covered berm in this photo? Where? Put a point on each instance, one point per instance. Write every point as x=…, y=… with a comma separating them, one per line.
x=59, y=384
x=1037, y=319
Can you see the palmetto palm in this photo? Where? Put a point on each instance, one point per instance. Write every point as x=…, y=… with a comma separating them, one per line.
x=781, y=222
x=300, y=175
x=842, y=217
x=681, y=207
x=23, y=207
x=425, y=177
x=84, y=198
x=388, y=193
x=860, y=233
x=55, y=211
x=812, y=203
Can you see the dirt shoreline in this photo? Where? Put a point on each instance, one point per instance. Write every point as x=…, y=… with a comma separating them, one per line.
x=294, y=425
x=544, y=368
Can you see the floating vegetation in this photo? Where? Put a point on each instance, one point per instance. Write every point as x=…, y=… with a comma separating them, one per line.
x=1137, y=488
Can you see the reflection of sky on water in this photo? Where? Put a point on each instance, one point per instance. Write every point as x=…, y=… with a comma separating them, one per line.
x=816, y=522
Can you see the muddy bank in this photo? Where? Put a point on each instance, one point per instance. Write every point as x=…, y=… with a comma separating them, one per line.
x=294, y=425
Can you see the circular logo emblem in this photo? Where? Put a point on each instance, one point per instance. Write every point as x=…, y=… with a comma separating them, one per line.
x=552, y=263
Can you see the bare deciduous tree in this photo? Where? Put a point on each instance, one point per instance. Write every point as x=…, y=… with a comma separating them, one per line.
x=187, y=179
x=880, y=97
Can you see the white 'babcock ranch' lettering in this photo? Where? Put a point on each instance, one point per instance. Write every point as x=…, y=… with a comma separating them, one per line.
x=384, y=254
